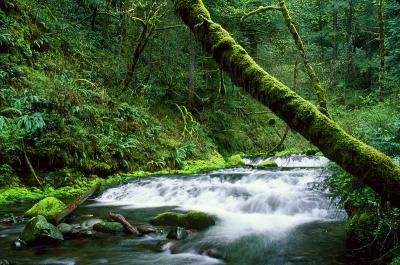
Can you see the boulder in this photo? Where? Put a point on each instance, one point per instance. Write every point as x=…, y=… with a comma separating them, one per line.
x=191, y=220
x=39, y=231
x=109, y=227
x=177, y=233
x=47, y=207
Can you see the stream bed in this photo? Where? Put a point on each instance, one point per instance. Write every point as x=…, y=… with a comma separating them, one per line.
x=275, y=216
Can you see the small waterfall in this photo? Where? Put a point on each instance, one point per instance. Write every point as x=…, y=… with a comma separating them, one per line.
x=289, y=161
x=244, y=200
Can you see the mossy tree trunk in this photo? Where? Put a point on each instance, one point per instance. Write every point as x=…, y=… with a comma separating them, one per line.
x=364, y=162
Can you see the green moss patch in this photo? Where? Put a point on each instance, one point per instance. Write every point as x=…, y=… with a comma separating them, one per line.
x=267, y=164
x=47, y=207
x=191, y=220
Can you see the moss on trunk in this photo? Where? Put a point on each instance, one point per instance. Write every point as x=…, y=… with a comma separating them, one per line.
x=372, y=167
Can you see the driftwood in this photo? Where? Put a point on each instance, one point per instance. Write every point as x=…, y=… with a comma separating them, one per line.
x=128, y=227
x=57, y=218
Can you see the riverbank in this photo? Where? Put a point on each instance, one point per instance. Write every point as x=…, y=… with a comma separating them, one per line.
x=23, y=194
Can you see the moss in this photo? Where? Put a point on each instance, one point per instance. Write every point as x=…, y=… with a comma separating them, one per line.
x=38, y=231
x=168, y=219
x=235, y=160
x=267, y=164
x=198, y=220
x=191, y=220
x=47, y=207
x=109, y=227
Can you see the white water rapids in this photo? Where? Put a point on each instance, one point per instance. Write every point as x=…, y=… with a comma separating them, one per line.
x=245, y=201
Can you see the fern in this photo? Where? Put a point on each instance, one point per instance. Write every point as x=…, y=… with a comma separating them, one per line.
x=31, y=123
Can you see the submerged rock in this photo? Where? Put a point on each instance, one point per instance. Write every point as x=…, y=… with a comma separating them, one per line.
x=78, y=230
x=146, y=229
x=267, y=164
x=109, y=227
x=47, y=207
x=177, y=233
x=39, y=231
x=191, y=220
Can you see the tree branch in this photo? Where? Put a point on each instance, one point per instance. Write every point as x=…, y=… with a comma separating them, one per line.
x=260, y=9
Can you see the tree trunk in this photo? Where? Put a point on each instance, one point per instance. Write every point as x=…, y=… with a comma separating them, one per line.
x=192, y=72
x=349, y=75
x=320, y=29
x=335, y=44
x=381, y=52
x=367, y=164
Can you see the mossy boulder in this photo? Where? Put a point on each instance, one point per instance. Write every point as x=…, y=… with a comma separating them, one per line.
x=267, y=164
x=235, y=160
x=47, y=207
x=109, y=227
x=39, y=231
x=191, y=220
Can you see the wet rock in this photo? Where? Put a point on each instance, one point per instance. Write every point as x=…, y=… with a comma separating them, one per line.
x=146, y=229
x=11, y=219
x=160, y=246
x=47, y=207
x=191, y=220
x=6, y=262
x=213, y=253
x=18, y=244
x=39, y=231
x=178, y=233
x=109, y=227
x=75, y=230
x=88, y=224
x=65, y=229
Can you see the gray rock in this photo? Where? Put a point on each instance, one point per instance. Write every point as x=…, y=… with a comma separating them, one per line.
x=89, y=223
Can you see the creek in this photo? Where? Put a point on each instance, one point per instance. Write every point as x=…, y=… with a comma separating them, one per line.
x=277, y=216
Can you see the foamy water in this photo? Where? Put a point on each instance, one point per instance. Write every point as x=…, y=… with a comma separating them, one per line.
x=243, y=200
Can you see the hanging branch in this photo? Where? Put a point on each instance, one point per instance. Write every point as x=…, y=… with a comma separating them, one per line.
x=260, y=9
x=319, y=90
x=31, y=169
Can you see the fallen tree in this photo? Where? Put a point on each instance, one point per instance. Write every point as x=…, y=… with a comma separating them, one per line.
x=370, y=166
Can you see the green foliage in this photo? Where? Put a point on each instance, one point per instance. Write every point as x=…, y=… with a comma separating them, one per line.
x=372, y=226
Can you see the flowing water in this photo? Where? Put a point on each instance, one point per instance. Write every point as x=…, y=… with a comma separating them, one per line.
x=263, y=217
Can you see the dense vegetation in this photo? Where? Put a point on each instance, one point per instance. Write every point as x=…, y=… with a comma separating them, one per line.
x=93, y=88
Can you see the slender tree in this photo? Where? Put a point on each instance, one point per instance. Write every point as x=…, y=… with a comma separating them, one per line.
x=319, y=90
x=381, y=51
